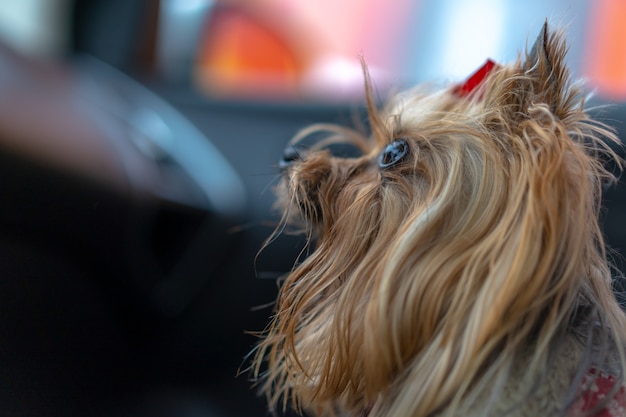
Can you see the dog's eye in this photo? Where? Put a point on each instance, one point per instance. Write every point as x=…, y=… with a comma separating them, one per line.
x=393, y=153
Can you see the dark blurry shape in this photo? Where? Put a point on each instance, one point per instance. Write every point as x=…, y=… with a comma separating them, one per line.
x=122, y=33
x=116, y=214
x=165, y=137
x=180, y=27
x=98, y=125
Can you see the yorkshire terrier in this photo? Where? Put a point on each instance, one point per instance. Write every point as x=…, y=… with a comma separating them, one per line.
x=458, y=265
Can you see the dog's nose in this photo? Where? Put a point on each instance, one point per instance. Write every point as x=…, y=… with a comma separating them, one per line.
x=343, y=150
x=290, y=155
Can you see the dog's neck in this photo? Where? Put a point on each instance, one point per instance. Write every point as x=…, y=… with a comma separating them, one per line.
x=546, y=396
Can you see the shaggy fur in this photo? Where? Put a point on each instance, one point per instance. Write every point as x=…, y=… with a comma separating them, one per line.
x=470, y=277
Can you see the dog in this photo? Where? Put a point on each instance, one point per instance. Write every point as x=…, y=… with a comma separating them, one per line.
x=457, y=267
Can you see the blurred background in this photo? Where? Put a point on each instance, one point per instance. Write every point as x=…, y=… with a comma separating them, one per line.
x=139, y=142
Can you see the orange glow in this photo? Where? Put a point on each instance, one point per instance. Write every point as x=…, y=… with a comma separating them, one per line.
x=240, y=56
x=605, y=57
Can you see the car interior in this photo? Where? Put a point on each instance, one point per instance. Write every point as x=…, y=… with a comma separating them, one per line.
x=136, y=193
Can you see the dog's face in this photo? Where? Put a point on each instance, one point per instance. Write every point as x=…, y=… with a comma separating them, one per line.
x=465, y=232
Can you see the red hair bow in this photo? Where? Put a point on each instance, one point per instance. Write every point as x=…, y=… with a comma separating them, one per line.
x=475, y=79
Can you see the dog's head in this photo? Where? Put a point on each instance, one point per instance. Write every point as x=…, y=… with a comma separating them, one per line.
x=464, y=237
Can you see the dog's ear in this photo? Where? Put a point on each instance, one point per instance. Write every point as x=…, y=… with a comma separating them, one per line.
x=545, y=68
x=540, y=78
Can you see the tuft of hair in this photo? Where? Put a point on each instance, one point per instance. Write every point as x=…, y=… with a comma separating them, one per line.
x=473, y=271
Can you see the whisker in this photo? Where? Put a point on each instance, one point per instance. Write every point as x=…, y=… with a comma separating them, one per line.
x=263, y=306
x=271, y=183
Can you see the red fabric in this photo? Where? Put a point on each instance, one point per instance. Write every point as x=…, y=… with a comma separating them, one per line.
x=475, y=79
x=595, y=387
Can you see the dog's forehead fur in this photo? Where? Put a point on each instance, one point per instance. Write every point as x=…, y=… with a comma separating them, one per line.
x=420, y=105
x=472, y=267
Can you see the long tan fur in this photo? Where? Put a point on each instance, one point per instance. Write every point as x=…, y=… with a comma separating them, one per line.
x=470, y=279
